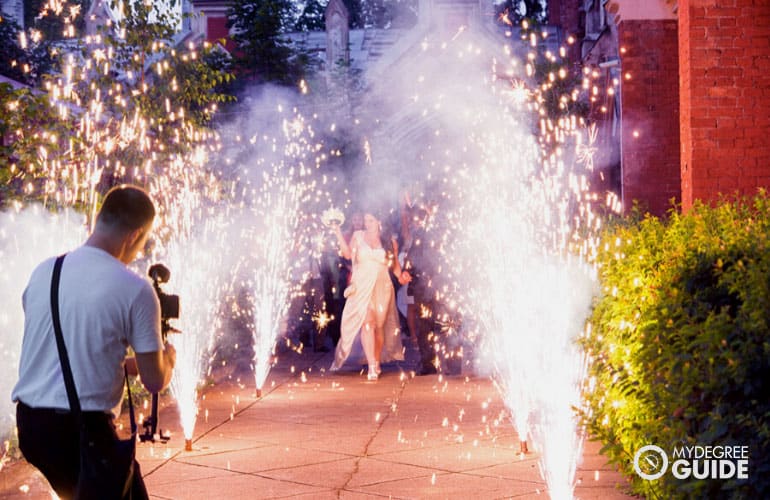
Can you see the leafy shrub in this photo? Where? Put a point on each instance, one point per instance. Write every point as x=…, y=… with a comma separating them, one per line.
x=680, y=342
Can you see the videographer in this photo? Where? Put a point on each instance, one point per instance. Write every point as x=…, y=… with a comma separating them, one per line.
x=104, y=308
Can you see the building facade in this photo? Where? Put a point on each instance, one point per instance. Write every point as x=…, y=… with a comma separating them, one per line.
x=693, y=92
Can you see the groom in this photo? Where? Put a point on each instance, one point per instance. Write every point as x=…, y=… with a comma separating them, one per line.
x=418, y=265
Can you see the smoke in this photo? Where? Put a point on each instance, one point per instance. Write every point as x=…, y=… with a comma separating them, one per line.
x=27, y=237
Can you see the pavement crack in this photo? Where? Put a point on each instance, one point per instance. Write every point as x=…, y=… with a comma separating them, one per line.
x=373, y=436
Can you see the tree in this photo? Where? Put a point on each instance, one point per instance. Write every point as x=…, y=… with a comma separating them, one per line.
x=22, y=63
x=12, y=56
x=403, y=13
x=263, y=54
x=389, y=13
x=355, y=13
x=312, y=17
x=52, y=19
x=28, y=124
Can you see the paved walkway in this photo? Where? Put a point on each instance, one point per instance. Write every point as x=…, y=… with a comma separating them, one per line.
x=315, y=434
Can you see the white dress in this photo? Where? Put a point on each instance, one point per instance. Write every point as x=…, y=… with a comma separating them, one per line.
x=370, y=287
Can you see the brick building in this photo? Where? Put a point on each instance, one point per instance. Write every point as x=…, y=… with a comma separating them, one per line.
x=725, y=96
x=692, y=82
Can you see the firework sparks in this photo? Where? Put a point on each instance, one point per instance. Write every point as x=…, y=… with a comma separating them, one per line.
x=275, y=238
x=201, y=286
x=586, y=150
x=322, y=319
x=271, y=276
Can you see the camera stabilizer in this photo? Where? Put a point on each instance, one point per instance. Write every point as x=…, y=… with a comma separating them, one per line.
x=169, y=309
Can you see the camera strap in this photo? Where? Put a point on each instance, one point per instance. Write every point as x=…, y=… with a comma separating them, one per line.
x=69, y=380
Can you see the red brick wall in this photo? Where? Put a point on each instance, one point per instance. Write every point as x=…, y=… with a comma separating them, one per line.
x=725, y=79
x=650, y=114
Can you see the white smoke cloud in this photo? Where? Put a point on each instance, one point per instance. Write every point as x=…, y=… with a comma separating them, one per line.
x=27, y=237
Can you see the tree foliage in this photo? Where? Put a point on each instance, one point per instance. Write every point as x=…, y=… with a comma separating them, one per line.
x=311, y=18
x=355, y=13
x=56, y=20
x=25, y=64
x=147, y=65
x=32, y=129
x=389, y=13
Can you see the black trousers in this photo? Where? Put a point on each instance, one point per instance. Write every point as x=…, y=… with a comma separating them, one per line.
x=50, y=440
x=426, y=332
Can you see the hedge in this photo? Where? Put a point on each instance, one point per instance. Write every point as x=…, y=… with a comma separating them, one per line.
x=680, y=342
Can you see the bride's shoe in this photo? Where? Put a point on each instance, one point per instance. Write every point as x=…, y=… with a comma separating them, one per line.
x=372, y=374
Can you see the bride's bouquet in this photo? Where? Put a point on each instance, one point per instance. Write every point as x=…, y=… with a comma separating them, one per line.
x=332, y=217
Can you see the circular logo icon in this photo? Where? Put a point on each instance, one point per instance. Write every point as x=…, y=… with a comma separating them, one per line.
x=650, y=462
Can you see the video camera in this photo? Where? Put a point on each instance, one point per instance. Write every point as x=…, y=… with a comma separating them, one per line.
x=169, y=304
x=169, y=309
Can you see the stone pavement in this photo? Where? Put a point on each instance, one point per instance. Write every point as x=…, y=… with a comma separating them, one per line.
x=316, y=434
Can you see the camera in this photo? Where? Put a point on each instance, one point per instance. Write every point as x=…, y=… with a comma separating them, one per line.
x=169, y=304
x=169, y=309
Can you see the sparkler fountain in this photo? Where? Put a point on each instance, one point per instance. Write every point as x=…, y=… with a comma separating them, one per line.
x=272, y=242
x=200, y=239
x=273, y=237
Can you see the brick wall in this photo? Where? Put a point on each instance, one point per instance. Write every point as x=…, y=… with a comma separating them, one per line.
x=650, y=114
x=725, y=80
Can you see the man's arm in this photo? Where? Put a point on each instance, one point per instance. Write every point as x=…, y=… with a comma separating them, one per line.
x=155, y=368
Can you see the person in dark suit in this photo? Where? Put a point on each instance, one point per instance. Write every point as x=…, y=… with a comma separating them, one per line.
x=419, y=265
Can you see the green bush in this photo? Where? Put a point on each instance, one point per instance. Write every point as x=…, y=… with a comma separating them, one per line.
x=679, y=342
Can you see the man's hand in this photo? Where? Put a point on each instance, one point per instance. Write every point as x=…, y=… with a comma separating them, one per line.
x=404, y=278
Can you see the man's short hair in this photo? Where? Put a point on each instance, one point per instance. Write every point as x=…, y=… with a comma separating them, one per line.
x=126, y=208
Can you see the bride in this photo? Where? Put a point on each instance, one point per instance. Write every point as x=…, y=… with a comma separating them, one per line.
x=369, y=319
